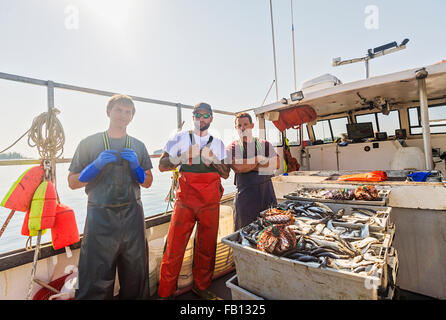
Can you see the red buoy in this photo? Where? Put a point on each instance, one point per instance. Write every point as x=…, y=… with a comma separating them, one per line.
x=25, y=230
x=42, y=213
x=65, y=231
x=21, y=192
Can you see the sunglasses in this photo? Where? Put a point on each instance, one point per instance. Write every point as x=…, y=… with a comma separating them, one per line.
x=204, y=115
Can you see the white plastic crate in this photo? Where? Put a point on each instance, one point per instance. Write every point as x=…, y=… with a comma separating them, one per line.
x=239, y=293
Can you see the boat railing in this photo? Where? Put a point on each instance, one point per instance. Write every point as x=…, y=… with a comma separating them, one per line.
x=52, y=85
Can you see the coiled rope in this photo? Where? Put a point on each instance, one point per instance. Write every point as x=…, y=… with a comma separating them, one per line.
x=49, y=140
x=46, y=133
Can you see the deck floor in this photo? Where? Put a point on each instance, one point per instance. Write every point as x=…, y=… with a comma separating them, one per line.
x=219, y=287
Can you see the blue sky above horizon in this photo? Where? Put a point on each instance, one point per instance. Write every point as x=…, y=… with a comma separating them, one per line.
x=190, y=51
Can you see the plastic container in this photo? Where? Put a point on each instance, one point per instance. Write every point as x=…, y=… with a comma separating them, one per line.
x=277, y=278
x=323, y=82
x=239, y=293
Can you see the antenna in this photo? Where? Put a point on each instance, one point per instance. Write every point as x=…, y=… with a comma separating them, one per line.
x=274, y=49
x=270, y=87
x=372, y=54
x=294, y=48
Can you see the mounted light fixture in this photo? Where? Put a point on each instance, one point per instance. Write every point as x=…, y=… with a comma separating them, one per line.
x=284, y=101
x=405, y=41
x=297, y=96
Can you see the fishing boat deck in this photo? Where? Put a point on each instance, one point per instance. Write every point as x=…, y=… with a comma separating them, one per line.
x=218, y=286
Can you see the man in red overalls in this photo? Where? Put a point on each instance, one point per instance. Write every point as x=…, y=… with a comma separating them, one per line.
x=198, y=200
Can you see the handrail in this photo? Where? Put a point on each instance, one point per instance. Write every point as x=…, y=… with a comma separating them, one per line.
x=13, y=162
x=51, y=85
x=39, y=82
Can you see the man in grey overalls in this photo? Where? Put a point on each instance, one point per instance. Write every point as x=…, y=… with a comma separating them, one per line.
x=112, y=166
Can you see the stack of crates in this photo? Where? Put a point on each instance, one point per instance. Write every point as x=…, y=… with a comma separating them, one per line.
x=269, y=276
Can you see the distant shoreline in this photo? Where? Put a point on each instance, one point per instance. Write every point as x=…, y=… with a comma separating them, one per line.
x=28, y=161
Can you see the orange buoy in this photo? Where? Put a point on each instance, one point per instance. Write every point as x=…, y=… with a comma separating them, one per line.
x=42, y=213
x=20, y=194
x=64, y=232
x=374, y=176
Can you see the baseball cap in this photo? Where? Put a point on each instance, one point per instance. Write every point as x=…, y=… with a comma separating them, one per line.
x=202, y=106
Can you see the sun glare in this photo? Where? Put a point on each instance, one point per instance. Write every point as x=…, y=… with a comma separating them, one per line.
x=112, y=13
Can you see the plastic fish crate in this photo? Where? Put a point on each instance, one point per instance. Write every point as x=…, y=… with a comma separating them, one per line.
x=381, y=202
x=239, y=293
x=390, y=272
x=335, y=206
x=278, y=278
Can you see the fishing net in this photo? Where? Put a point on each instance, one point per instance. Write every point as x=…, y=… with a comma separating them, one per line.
x=277, y=237
x=277, y=216
x=368, y=193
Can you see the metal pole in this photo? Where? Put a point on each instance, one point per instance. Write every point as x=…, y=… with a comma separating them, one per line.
x=421, y=77
x=50, y=109
x=274, y=49
x=50, y=95
x=179, y=117
x=294, y=48
x=262, y=129
x=367, y=70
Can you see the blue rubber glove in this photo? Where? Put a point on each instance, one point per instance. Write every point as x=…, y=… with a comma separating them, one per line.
x=132, y=158
x=93, y=169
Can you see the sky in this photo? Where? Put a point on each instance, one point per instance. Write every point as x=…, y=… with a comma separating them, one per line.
x=218, y=51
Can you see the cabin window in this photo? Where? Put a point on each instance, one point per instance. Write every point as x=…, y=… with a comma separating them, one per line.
x=389, y=123
x=273, y=135
x=294, y=138
x=338, y=126
x=437, y=119
x=330, y=130
x=368, y=118
x=381, y=122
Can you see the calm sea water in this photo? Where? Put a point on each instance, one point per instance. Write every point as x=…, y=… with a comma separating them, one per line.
x=152, y=199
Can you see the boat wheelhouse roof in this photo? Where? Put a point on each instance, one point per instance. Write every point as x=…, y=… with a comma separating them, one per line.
x=396, y=88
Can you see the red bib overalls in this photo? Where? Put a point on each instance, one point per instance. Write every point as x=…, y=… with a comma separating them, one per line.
x=198, y=200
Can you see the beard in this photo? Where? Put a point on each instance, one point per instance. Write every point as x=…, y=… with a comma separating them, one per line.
x=201, y=128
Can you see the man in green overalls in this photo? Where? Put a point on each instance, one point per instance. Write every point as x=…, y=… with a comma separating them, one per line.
x=253, y=161
x=112, y=166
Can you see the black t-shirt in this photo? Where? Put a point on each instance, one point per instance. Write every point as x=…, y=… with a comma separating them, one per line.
x=89, y=149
